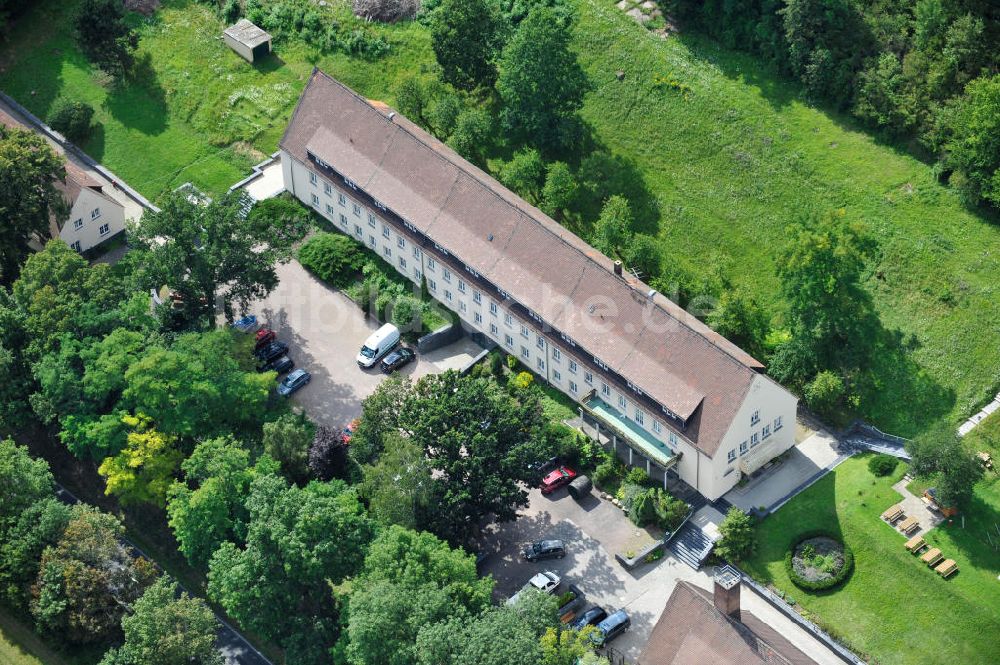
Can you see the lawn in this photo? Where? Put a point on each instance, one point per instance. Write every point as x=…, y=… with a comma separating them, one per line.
x=729, y=164
x=197, y=112
x=893, y=608
x=20, y=645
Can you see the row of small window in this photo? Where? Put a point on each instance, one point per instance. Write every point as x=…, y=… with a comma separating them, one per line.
x=756, y=438
x=94, y=214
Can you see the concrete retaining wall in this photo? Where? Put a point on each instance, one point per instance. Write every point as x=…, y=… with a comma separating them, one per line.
x=443, y=336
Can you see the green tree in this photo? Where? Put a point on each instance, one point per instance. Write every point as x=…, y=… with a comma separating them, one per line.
x=71, y=118
x=882, y=98
x=398, y=486
x=167, y=628
x=299, y=541
x=88, y=579
x=566, y=647
x=287, y=440
x=614, y=227
x=524, y=174
x=466, y=36
x=472, y=135
x=39, y=526
x=409, y=580
x=380, y=415
x=464, y=641
x=25, y=482
x=197, y=250
x=739, y=318
x=208, y=508
x=939, y=455
x=642, y=254
x=560, y=190
x=825, y=393
x=104, y=36
x=541, y=84
x=738, y=536
x=972, y=147
x=29, y=172
x=829, y=312
x=200, y=386
x=143, y=470
x=412, y=99
x=443, y=114
x=479, y=441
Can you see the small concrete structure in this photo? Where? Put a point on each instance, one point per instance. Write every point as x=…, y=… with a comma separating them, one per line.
x=249, y=41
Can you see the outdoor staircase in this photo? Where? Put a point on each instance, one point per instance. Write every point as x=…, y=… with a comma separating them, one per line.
x=691, y=545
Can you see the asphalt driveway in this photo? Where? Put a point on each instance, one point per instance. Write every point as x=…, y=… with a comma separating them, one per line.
x=324, y=330
x=593, y=531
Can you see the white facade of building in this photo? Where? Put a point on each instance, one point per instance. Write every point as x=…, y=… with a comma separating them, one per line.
x=763, y=428
x=93, y=219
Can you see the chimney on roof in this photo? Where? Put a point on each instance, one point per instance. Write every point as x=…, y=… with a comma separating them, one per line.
x=727, y=592
x=618, y=268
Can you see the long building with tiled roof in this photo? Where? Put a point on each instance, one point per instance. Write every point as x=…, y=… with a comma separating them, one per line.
x=662, y=383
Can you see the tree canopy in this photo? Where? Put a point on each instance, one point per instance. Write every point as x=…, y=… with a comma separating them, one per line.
x=466, y=36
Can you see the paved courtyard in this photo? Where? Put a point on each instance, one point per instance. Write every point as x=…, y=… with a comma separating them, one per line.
x=324, y=330
x=804, y=460
x=594, y=530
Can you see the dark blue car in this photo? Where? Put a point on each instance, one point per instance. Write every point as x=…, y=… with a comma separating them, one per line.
x=610, y=628
x=591, y=617
x=293, y=382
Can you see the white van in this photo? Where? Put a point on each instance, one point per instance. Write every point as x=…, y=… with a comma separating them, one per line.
x=380, y=343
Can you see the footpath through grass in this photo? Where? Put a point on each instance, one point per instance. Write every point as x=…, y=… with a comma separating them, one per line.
x=893, y=608
x=732, y=161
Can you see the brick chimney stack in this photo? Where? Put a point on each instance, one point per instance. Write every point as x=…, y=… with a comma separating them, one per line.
x=727, y=592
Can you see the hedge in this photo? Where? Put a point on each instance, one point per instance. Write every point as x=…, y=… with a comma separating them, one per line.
x=820, y=585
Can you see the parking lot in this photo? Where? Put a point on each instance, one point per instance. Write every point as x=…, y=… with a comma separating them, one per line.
x=324, y=330
x=593, y=531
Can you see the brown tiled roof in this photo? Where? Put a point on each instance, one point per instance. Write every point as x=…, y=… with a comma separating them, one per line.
x=692, y=630
x=668, y=354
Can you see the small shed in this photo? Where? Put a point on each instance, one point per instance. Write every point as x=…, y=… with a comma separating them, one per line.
x=249, y=41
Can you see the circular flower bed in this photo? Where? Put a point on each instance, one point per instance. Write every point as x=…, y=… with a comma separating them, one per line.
x=818, y=561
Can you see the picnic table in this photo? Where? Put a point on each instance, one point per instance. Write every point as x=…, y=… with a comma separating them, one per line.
x=915, y=544
x=908, y=525
x=893, y=513
x=931, y=556
x=946, y=568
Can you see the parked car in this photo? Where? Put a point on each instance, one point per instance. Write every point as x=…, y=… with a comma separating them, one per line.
x=591, y=617
x=544, y=549
x=381, y=342
x=349, y=431
x=263, y=337
x=246, y=324
x=546, y=581
x=539, y=469
x=293, y=382
x=556, y=479
x=611, y=627
x=281, y=364
x=271, y=351
x=397, y=359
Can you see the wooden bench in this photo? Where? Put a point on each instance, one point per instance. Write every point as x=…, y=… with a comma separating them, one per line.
x=909, y=525
x=915, y=544
x=893, y=513
x=946, y=568
x=931, y=556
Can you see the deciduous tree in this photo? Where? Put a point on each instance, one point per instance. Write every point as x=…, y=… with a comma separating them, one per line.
x=559, y=191
x=614, y=227
x=738, y=536
x=541, y=84
x=143, y=470
x=524, y=174
x=287, y=440
x=104, y=36
x=972, y=126
x=29, y=173
x=398, y=486
x=167, y=628
x=466, y=36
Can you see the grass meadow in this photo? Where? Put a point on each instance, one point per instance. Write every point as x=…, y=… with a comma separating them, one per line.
x=893, y=609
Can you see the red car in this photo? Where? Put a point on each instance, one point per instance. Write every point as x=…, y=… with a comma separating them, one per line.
x=263, y=337
x=556, y=479
x=349, y=431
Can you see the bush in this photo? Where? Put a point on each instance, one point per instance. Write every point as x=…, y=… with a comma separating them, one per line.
x=335, y=259
x=825, y=392
x=637, y=476
x=819, y=585
x=522, y=380
x=407, y=314
x=882, y=465
x=71, y=119
x=385, y=10
x=231, y=11
x=609, y=474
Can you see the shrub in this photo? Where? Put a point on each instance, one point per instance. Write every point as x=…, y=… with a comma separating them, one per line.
x=738, y=536
x=71, y=119
x=825, y=392
x=882, y=465
x=385, y=10
x=637, y=476
x=407, y=314
x=522, y=380
x=335, y=259
x=819, y=585
x=609, y=474
x=231, y=11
